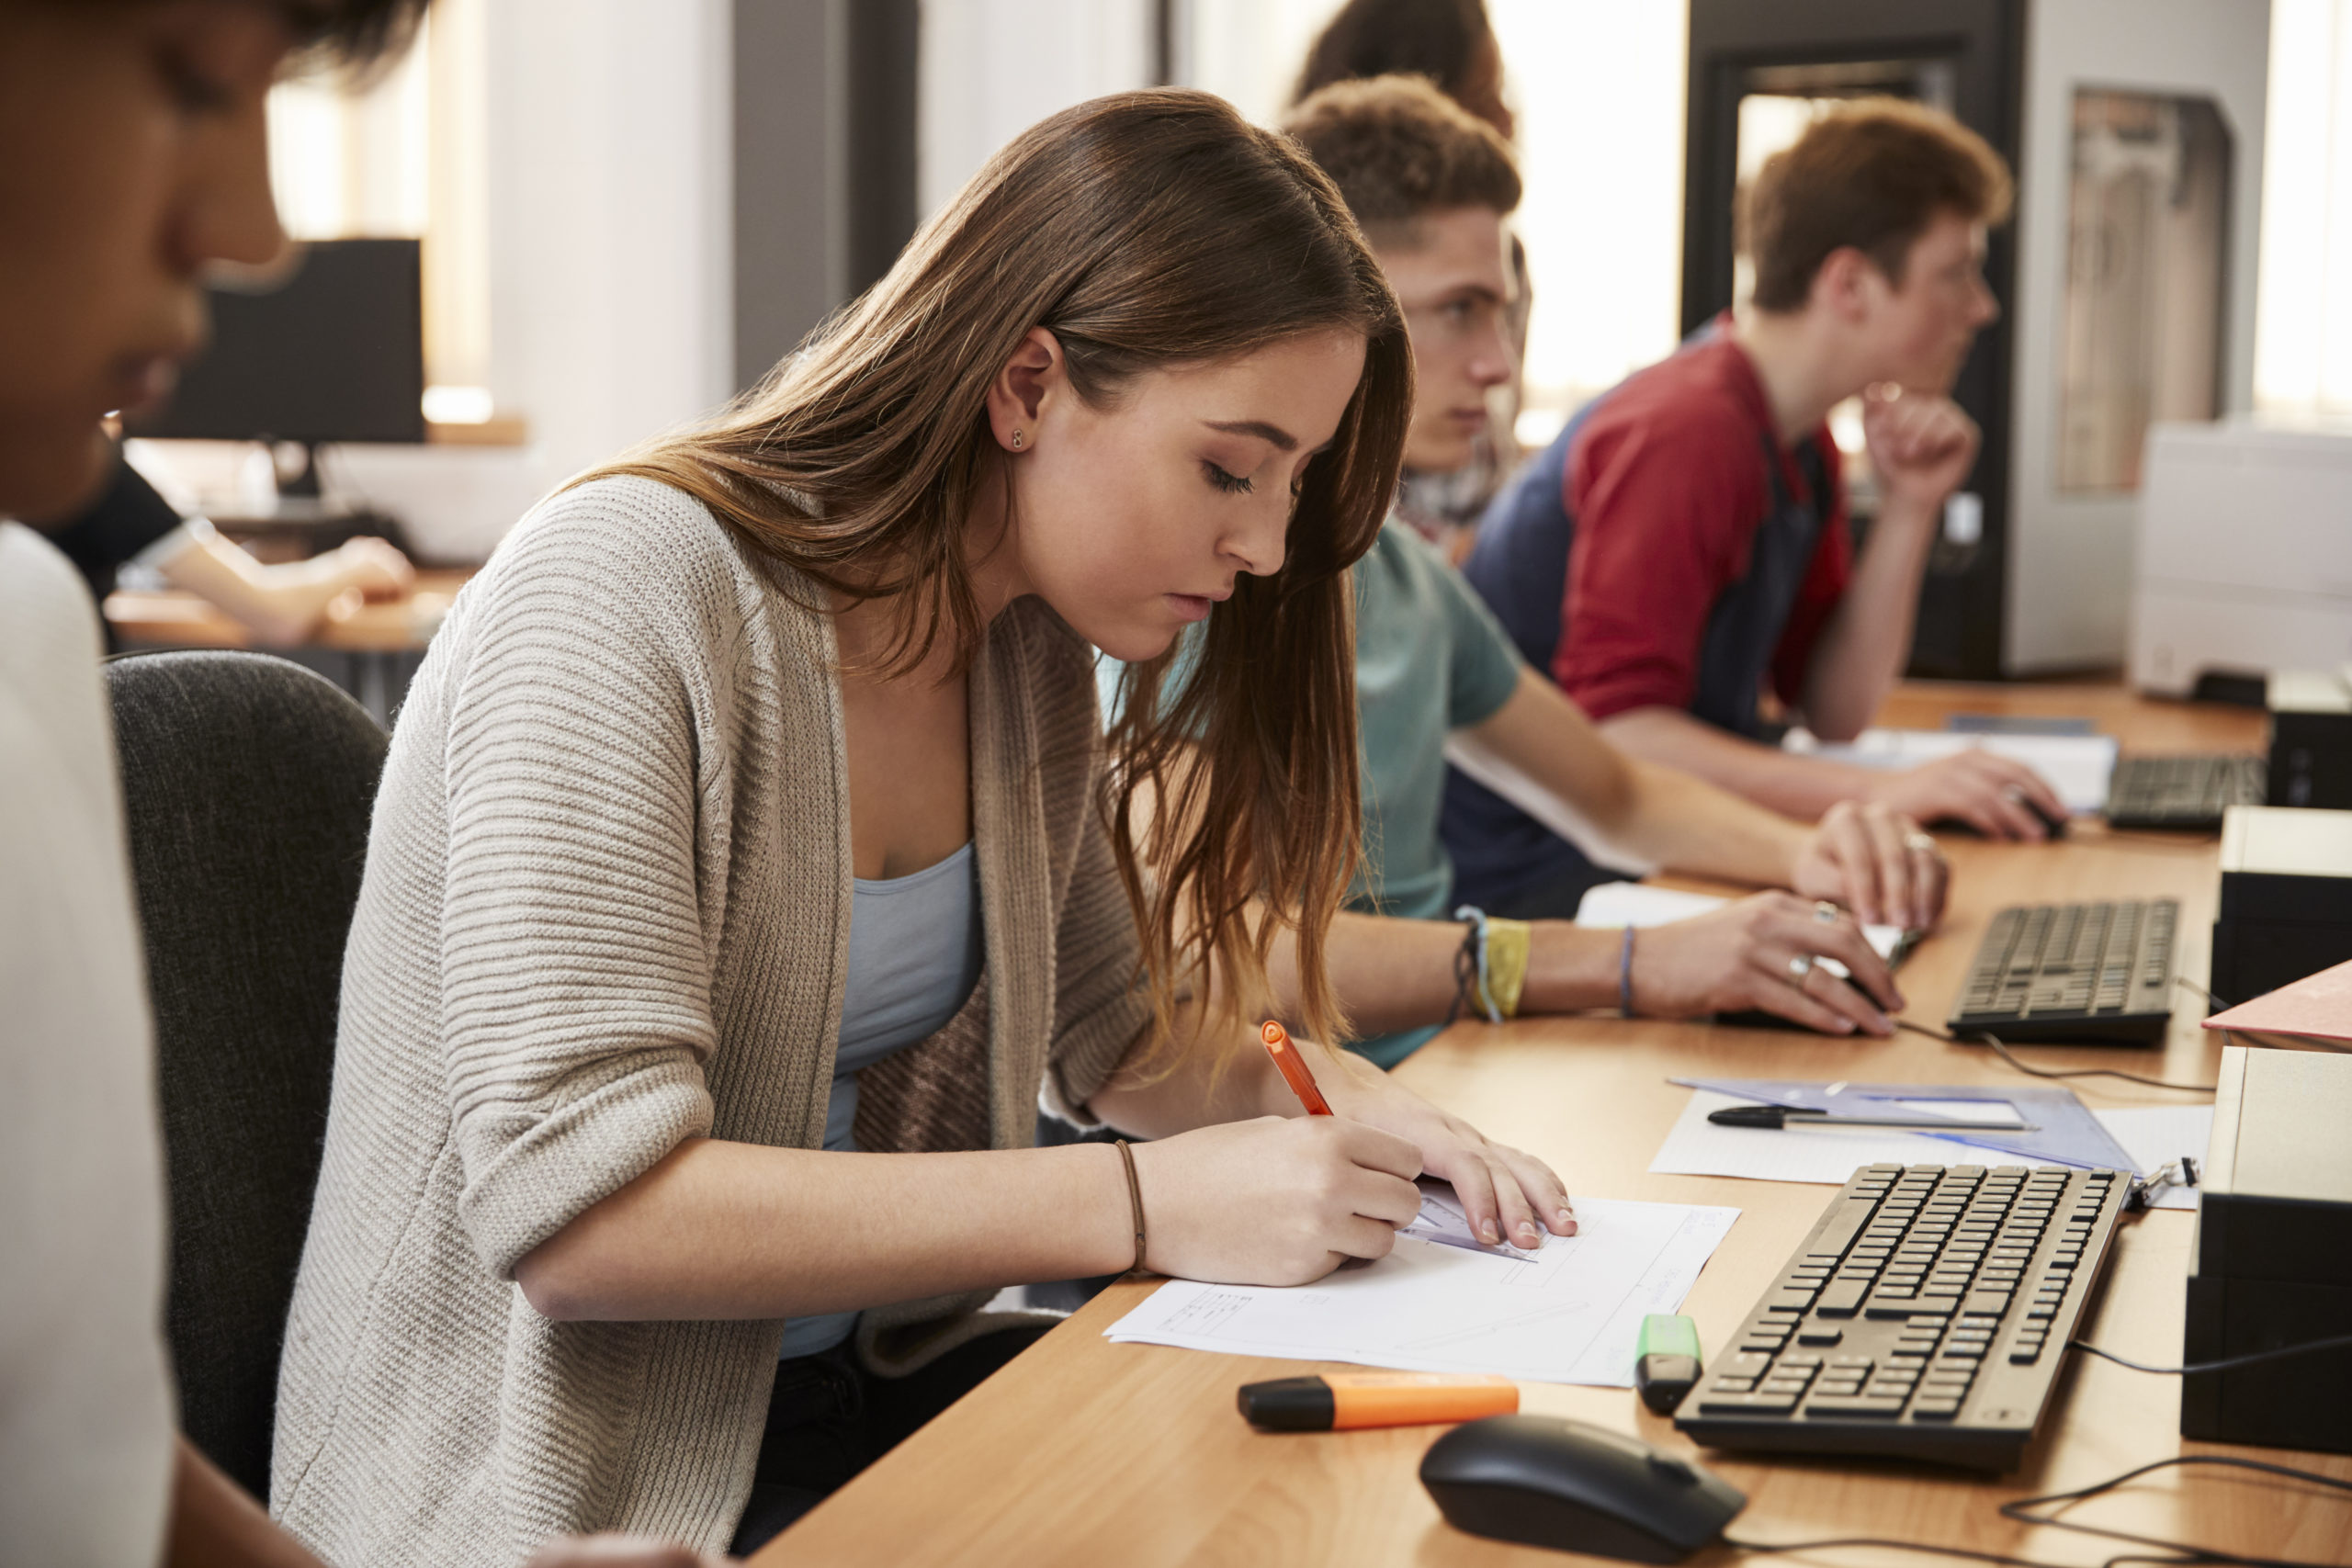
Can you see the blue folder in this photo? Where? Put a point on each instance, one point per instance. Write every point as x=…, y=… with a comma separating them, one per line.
x=2066, y=1133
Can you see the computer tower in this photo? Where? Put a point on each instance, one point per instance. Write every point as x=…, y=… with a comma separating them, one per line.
x=2272, y=1265
x=2310, y=739
x=2284, y=910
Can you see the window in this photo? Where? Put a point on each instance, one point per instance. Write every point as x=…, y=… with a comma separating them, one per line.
x=2303, y=359
x=400, y=155
x=1598, y=92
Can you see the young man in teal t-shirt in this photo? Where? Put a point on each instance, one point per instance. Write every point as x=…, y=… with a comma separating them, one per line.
x=1433, y=187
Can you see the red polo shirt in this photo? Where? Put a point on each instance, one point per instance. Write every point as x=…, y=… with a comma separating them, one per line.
x=1668, y=485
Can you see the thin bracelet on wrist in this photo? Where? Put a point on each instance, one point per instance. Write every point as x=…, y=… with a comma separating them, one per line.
x=1134, y=1201
x=1625, y=976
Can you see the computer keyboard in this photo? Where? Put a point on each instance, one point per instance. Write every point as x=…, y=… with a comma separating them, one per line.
x=1927, y=1317
x=2081, y=974
x=2187, y=792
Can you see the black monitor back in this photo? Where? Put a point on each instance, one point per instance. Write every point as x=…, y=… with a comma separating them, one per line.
x=335, y=353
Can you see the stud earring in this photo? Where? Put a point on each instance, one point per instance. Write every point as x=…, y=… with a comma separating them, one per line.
x=1016, y=441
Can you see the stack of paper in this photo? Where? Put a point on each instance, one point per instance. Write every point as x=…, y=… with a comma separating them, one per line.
x=2077, y=766
x=2318, y=1008
x=1569, y=1311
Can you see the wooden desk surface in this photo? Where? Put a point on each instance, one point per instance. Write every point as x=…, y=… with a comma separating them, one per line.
x=1083, y=1451
x=173, y=618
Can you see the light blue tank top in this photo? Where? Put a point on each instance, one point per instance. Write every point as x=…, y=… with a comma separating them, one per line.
x=914, y=956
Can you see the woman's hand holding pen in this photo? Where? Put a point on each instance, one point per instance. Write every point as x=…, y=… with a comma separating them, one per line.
x=1508, y=1196
x=1274, y=1200
x=1876, y=862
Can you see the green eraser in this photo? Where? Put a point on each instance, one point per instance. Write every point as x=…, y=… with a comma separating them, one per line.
x=1668, y=1334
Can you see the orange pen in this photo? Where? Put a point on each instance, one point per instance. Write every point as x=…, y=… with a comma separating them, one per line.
x=1294, y=1068
x=1339, y=1401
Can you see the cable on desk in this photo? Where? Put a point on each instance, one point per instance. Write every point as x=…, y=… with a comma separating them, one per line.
x=2224, y=1364
x=2216, y=1003
x=2020, y=1511
x=1762, y=1547
x=2003, y=1052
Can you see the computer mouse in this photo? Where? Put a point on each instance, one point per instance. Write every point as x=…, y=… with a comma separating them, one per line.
x=1544, y=1481
x=2054, y=826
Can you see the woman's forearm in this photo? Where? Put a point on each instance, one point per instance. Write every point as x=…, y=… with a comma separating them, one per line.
x=728, y=1230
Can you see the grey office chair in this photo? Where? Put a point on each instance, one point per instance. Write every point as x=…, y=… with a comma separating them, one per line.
x=247, y=784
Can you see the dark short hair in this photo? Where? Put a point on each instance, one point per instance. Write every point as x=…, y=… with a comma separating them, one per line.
x=352, y=34
x=1400, y=149
x=1436, y=38
x=1872, y=175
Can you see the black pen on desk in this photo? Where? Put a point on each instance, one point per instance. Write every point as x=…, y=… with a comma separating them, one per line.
x=1774, y=1117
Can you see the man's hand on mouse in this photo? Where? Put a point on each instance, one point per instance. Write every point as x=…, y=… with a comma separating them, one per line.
x=1992, y=794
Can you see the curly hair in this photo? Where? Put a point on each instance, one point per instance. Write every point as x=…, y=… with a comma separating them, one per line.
x=1400, y=149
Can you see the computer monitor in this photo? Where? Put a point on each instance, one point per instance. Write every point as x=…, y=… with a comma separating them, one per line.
x=333, y=353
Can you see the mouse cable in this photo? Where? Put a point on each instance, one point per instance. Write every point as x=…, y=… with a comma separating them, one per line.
x=2019, y=1511
x=1763, y=1547
x=2338, y=1342
x=2216, y=1003
x=2003, y=1052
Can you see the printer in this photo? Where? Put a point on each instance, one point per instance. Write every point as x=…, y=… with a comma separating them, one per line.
x=2271, y=1264
x=2245, y=561
x=2284, y=910
x=2311, y=738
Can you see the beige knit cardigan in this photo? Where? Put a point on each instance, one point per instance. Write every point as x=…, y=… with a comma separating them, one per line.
x=606, y=909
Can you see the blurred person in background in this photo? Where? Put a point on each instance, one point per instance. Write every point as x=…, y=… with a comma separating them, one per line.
x=1452, y=44
x=1683, y=546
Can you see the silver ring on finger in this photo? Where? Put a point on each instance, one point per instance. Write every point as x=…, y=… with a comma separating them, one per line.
x=1826, y=912
x=1801, y=966
x=1923, y=844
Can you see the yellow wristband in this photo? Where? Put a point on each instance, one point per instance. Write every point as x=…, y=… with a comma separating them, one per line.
x=1506, y=948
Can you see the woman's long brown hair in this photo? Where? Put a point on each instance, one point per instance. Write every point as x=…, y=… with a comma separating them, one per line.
x=1144, y=230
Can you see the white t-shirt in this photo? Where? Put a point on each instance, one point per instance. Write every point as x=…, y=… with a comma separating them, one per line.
x=85, y=1399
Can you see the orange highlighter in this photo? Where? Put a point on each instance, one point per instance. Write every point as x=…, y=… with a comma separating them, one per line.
x=1294, y=1068
x=1339, y=1402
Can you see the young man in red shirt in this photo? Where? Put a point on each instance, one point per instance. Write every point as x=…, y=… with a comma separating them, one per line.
x=1685, y=540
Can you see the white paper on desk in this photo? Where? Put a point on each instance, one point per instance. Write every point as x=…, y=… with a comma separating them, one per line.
x=1570, y=1311
x=2077, y=766
x=1615, y=904
x=1696, y=1147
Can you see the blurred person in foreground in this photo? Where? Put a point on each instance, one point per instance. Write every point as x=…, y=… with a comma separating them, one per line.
x=133, y=155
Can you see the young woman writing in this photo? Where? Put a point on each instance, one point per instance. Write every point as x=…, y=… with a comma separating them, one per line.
x=749, y=861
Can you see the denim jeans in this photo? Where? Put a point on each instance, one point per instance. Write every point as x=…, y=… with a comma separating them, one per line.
x=830, y=1418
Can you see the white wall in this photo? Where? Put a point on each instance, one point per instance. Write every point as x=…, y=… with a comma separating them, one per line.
x=991, y=69
x=610, y=228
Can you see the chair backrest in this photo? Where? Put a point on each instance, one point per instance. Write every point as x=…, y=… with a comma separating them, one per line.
x=247, y=785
